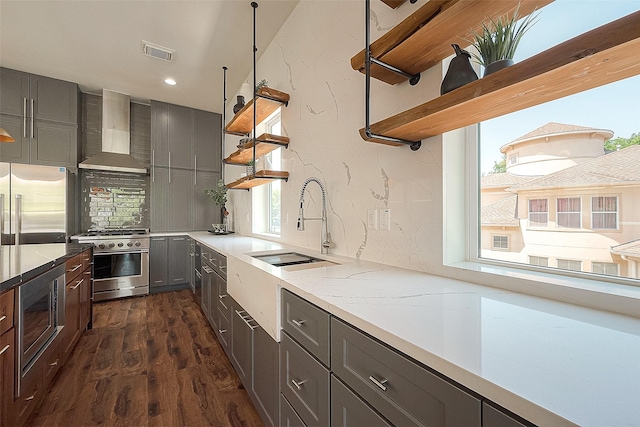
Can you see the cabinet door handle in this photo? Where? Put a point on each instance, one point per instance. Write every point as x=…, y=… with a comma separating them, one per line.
x=30, y=397
x=79, y=283
x=298, y=323
x=379, y=383
x=24, y=118
x=33, y=113
x=298, y=384
x=54, y=363
x=6, y=347
x=2, y=318
x=222, y=296
x=222, y=331
x=75, y=268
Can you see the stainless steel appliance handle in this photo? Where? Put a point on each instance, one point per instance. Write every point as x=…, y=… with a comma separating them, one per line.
x=24, y=117
x=18, y=217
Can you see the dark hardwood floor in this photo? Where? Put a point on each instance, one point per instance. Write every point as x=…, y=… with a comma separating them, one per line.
x=148, y=361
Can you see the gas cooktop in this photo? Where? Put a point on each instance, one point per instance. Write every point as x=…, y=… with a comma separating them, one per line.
x=117, y=232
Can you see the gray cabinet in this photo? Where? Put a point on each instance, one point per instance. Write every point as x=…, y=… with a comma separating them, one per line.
x=168, y=263
x=205, y=211
x=347, y=409
x=158, y=273
x=265, y=386
x=289, y=417
x=209, y=286
x=159, y=199
x=180, y=128
x=304, y=382
x=41, y=113
x=403, y=392
x=494, y=417
x=308, y=324
x=207, y=141
x=242, y=326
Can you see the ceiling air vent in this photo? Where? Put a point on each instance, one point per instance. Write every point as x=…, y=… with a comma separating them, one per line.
x=156, y=51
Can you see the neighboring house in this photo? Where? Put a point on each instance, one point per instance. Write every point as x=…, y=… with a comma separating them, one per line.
x=565, y=207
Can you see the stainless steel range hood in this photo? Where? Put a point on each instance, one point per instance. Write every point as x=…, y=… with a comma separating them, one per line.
x=115, y=155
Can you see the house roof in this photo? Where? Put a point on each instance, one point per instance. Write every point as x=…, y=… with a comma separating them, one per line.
x=552, y=129
x=504, y=179
x=503, y=212
x=631, y=248
x=618, y=167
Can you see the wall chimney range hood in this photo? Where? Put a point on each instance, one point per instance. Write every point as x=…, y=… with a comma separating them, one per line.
x=115, y=155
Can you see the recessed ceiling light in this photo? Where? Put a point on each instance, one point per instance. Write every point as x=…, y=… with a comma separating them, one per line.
x=170, y=82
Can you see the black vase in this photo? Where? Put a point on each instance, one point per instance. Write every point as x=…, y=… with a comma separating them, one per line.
x=239, y=105
x=460, y=71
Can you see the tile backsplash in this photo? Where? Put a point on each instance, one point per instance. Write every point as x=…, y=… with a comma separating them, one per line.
x=114, y=200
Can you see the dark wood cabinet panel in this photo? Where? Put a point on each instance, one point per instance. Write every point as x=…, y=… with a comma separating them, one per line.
x=7, y=377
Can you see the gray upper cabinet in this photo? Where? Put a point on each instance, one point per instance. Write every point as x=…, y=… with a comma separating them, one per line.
x=405, y=393
x=207, y=141
x=41, y=113
x=185, y=159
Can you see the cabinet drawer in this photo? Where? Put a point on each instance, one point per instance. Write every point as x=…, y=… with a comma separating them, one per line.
x=308, y=324
x=347, y=409
x=224, y=331
x=6, y=311
x=288, y=417
x=86, y=259
x=304, y=382
x=218, y=262
x=222, y=298
x=31, y=393
x=493, y=417
x=74, y=266
x=52, y=360
x=402, y=391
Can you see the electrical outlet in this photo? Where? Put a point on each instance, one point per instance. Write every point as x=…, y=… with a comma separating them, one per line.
x=385, y=219
x=372, y=219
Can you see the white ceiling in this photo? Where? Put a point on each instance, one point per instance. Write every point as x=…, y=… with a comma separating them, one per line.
x=98, y=44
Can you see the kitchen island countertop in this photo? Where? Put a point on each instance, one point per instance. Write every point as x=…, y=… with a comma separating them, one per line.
x=550, y=362
x=21, y=263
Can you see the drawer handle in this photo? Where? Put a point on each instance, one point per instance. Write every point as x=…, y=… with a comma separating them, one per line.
x=298, y=384
x=222, y=331
x=2, y=318
x=6, y=347
x=75, y=268
x=298, y=323
x=30, y=397
x=79, y=283
x=54, y=363
x=222, y=296
x=379, y=383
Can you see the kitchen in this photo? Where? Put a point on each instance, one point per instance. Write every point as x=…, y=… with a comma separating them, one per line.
x=322, y=119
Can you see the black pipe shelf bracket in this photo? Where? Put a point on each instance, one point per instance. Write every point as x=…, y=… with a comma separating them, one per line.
x=271, y=98
x=413, y=80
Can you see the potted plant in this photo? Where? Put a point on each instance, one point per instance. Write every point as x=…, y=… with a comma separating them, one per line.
x=497, y=40
x=250, y=167
x=219, y=197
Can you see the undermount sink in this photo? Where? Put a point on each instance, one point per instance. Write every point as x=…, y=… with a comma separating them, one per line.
x=292, y=261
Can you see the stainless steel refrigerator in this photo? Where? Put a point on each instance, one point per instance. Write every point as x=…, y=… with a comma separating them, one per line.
x=37, y=204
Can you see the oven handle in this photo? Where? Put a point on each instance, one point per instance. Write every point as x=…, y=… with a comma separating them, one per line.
x=141, y=251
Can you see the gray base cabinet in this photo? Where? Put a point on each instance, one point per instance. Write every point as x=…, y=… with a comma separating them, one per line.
x=494, y=417
x=265, y=387
x=289, y=417
x=347, y=409
x=242, y=326
x=168, y=263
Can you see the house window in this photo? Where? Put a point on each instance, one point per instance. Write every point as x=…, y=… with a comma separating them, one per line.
x=274, y=162
x=604, y=213
x=606, y=268
x=500, y=242
x=538, y=212
x=565, y=148
x=569, y=264
x=539, y=261
x=569, y=212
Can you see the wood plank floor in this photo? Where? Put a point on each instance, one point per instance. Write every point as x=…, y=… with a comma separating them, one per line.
x=148, y=361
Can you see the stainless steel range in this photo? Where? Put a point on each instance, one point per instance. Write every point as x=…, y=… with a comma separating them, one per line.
x=120, y=262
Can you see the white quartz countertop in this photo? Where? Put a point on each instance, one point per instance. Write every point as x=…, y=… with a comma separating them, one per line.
x=550, y=362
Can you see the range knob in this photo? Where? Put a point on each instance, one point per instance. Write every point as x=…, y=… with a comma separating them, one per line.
x=129, y=244
x=120, y=244
x=137, y=243
x=111, y=245
x=101, y=246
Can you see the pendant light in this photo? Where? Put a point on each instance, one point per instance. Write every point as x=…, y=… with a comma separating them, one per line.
x=5, y=136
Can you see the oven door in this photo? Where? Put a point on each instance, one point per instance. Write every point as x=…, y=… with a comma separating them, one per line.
x=120, y=274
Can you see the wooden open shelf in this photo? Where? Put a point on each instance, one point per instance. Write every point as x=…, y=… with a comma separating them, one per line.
x=242, y=122
x=265, y=144
x=424, y=38
x=262, y=177
x=601, y=56
x=394, y=4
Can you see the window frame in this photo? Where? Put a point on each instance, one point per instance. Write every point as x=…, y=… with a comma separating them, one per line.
x=269, y=125
x=558, y=260
x=529, y=224
x=499, y=248
x=616, y=212
x=569, y=213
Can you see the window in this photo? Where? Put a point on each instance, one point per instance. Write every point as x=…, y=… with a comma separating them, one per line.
x=274, y=162
x=500, y=242
x=604, y=213
x=568, y=213
x=538, y=213
x=558, y=155
x=569, y=264
x=607, y=268
x=538, y=260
